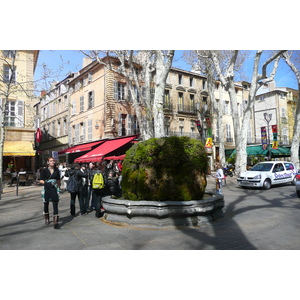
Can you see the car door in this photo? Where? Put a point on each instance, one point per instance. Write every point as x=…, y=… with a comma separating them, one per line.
x=290, y=171
x=279, y=173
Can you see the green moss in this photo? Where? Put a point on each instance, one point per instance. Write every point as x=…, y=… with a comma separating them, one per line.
x=165, y=169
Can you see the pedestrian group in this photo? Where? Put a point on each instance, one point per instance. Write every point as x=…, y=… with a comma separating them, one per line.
x=87, y=183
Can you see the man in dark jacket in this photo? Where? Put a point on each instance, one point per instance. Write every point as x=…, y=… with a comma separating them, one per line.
x=81, y=176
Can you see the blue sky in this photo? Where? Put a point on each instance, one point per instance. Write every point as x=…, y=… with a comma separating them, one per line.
x=62, y=62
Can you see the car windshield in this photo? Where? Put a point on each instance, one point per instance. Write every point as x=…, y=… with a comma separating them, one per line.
x=262, y=167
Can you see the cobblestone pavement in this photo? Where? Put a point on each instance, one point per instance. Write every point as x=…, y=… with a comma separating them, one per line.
x=253, y=219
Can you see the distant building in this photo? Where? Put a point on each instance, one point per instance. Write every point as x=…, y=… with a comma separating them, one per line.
x=17, y=99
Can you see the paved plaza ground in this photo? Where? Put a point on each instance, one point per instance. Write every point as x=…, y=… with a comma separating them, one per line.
x=253, y=219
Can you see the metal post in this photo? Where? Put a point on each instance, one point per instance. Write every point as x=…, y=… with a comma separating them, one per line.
x=17, y=187
x=268, y=118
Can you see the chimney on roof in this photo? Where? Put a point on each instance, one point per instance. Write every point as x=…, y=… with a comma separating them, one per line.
x=272, y=85
x=43, y=93
x=86, y=61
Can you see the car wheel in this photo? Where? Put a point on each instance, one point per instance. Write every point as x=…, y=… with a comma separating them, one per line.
x=266, y=184
x=298, y=193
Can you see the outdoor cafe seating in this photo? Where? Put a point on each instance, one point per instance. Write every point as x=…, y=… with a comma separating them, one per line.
x=25, y=178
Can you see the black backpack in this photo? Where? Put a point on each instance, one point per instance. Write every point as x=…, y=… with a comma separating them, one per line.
x=72, y=185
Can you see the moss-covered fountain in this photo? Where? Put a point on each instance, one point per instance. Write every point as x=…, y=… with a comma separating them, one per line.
x=163, y=184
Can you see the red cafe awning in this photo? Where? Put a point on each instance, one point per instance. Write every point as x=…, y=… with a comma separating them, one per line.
x=107, y=147
x=114, y=157
x=80, y=148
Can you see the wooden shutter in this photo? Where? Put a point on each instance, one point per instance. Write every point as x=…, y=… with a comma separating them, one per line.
x=120, y=124
x=115, y=90
x=90, y=129
x=129, y=124
x=76, y=133
x=19, y=113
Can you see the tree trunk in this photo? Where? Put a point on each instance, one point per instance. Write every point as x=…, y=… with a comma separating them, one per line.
x=162, y=70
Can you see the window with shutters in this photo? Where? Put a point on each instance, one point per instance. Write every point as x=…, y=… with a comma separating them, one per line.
x=91, y=99
x=181, y=127
x=192, y=102
x=90, y=77
x=66, y=102
x=121, y=91
x=90, y=129
x=228, y=134
x=10, y=114
x=65, y=127
x=167, y=102
x=58, y=129
x=226, y=107
x=135, y=125
x=14, y=114
x=284, y=136
x=9, y=53
x=180, y=101
x=76, y=133
x=180, y=79
x=81, y=104
x=9, y=74
x=167, y=125
x=123, y=124
x=82, y=132
x=73, y=107
x=191, y=81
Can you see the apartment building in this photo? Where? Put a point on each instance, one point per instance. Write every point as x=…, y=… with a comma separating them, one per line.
x=17, y=99
x=278, y=103
x=52, y=119
x=96, y=104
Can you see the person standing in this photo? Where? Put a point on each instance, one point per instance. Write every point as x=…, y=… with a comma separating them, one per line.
x=98, y=193
x=78, y=175
x=219, y=177
x=90, y=201
x=113, y=184
x=83, y=190
x=50, y=178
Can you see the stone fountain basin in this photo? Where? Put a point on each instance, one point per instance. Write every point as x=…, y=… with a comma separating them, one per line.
x=163, y=213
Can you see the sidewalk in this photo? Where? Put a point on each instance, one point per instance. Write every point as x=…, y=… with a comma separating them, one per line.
x=250, y=222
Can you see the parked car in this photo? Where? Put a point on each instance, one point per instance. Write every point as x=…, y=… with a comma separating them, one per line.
x=297, y=184
x=268, y=173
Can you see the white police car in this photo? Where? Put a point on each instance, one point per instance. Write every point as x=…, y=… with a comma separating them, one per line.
x=268, y=173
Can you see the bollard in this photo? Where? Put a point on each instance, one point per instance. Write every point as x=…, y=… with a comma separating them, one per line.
x=17, y=187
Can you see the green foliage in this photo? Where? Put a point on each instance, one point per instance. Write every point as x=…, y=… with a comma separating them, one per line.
x=166, y=169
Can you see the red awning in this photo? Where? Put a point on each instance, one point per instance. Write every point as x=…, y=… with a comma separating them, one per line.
x=120, y=157
x=80, y=148
x=107, y=147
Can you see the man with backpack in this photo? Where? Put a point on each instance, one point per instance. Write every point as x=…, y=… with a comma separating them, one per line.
x=98, y=182
x=77, y=187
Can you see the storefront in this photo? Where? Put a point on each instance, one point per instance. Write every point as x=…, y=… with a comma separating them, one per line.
x=18, y=155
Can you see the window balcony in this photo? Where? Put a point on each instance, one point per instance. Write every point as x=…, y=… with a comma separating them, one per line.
x=190, y=109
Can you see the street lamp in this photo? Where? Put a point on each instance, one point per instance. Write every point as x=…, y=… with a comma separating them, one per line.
x=268, y=118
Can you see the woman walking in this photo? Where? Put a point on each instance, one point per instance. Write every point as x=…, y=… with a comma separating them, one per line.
x=50, y=178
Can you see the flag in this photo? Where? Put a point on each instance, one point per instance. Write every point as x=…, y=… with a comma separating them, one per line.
x=199, y=127
x=274, y=130
x=264, y=137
